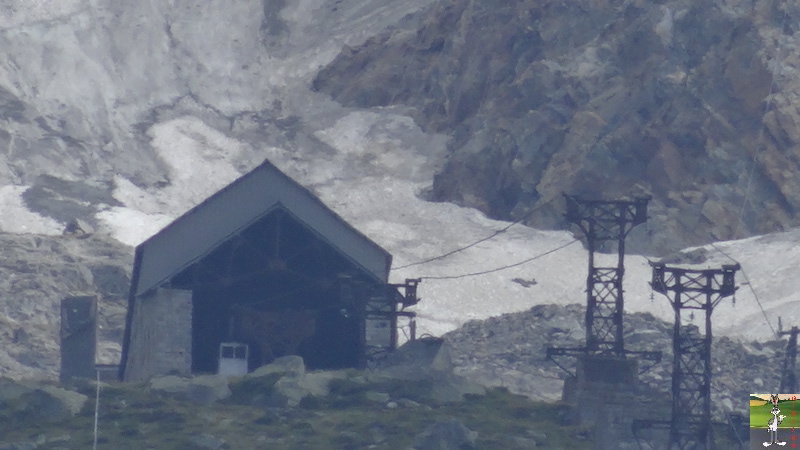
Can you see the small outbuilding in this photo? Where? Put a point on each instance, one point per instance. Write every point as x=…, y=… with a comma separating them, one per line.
x=259, y=270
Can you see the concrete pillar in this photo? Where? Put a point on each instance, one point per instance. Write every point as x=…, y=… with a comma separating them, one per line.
x=604, y=398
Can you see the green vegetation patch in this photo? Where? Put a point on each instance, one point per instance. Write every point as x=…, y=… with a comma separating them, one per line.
x=132, y=417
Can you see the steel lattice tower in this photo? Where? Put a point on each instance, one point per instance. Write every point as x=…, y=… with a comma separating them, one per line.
x=701, y=290
x=605, y=221
x=789, y=374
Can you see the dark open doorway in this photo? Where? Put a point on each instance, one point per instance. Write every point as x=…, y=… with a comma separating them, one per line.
x=275, y=287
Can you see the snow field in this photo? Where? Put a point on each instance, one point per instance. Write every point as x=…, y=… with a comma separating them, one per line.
x=374, y=181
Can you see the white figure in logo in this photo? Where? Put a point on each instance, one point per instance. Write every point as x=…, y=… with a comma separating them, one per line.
x=773, y=423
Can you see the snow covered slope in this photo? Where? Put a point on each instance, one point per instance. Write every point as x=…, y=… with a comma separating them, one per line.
x=375, y=180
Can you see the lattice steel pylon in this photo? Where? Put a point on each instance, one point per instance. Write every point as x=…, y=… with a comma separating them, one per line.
x=701, y=290
x=789, y=373
x=604, y=221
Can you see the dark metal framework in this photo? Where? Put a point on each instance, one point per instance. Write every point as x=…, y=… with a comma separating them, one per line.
x=789, y=373
x=701, y=290
x=602, y=221
x=383, y=307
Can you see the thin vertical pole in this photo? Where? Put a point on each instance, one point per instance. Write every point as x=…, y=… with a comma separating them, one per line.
x=96, y=409
x=676, y=364
x=591, y=302
x=619, y=337
x=707, y=430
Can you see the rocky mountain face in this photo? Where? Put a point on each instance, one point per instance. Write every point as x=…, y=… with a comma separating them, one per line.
x=38, y=272
x=691, y=103
x=83, y=85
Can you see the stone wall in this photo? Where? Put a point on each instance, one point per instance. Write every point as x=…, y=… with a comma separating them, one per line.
x=161, y=335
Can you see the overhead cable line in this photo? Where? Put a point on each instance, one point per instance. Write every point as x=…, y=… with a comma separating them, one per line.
x=750, y=285
x=760, y=138
x=473, y=274
x=759, y=141
x=491, y=236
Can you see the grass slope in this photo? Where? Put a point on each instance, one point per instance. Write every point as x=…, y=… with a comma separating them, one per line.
x=133, y=418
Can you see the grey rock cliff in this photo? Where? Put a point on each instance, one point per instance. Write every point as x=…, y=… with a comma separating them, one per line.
x=690, y=103
x=36, y=273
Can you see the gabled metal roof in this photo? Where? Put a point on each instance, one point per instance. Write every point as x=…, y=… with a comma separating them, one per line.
x=234, y=208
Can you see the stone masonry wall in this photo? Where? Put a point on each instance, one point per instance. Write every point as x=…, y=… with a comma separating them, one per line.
x=161, y=335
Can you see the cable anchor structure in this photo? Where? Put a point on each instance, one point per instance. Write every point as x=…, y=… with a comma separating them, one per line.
x=697, y=291
x=604, y=222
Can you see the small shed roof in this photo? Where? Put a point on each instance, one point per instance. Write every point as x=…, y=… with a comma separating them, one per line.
x=234, y=208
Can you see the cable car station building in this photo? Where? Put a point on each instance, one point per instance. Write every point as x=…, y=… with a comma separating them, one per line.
x=259, y=270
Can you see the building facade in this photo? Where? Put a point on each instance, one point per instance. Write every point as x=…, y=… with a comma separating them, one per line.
x=265, y=264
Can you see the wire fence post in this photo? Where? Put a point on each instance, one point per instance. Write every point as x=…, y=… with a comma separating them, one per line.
x=96, y=409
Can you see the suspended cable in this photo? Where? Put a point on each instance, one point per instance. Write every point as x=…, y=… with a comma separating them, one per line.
x=760, y=137
x=491, y=236
x=473, y=274
x=750, y=285
x=759, y=141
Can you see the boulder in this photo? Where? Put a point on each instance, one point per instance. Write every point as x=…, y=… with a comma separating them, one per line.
x=292, y=365
x=294, y=382
x=45, y=403
x=316, y=383
x=209, y=389
x=69, y=402
x=428, y=359
x=208, y=441
x=288, y=391
x=377, y=397
x=417, y=359
x=446, y=435
x=170, y=384
x=407, y=403
x=10, y=390
x=202, y=389
x=78, y=228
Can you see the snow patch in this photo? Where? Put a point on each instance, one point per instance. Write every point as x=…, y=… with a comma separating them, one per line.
x=199, y=157
x=16, y=218
x=132, y=227
x=201, y=161
x=373, y=143
x=373, y=180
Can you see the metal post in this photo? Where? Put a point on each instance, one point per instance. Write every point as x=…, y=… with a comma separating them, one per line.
x=696, y=290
